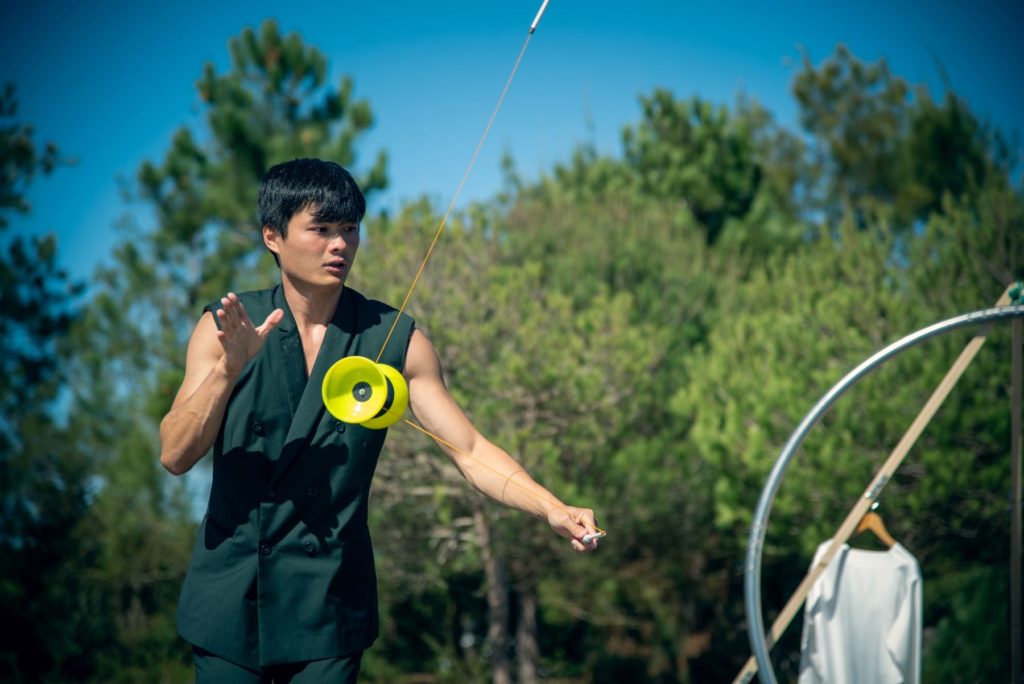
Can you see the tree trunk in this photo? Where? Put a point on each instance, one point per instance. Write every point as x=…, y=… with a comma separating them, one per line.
x=527, y=650
x=497, y=603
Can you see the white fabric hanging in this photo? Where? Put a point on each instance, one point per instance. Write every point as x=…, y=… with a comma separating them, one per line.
x=862, y=619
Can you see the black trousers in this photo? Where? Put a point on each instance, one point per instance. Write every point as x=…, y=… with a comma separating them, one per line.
x=211, y=669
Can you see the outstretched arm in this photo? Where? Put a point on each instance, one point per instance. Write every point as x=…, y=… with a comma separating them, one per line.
x=215, y=359
x=486, y=466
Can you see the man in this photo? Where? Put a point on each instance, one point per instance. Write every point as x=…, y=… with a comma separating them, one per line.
x=281, y=586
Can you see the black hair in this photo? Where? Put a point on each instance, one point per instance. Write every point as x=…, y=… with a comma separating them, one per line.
x=321, y=186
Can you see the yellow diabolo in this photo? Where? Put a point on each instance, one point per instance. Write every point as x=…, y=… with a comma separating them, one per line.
x=360, y=391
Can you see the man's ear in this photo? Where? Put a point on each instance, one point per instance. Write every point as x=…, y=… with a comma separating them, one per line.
x=271, y=238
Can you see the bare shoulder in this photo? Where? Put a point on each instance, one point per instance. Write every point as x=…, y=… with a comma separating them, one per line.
x=204, y=350
x=204, y=338
x=428, y=395
x=421, y=358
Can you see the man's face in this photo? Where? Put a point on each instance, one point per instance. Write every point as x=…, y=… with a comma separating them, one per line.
x=315, y=252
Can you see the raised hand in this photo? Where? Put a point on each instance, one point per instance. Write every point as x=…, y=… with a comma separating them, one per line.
x=239, y=337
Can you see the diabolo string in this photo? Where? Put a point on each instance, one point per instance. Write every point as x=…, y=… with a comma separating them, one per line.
x=437, y=237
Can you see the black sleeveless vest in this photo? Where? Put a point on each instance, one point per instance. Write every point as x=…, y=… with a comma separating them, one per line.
x=282, y=570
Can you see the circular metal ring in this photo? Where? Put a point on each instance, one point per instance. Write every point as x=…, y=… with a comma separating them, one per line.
x=755, y=545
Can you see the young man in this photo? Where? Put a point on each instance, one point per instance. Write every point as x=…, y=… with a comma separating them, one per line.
x=281, y=586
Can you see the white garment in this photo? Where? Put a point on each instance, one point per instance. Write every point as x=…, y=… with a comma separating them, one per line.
x=862, y=619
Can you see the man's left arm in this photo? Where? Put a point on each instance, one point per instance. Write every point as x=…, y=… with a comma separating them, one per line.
x=486, y=466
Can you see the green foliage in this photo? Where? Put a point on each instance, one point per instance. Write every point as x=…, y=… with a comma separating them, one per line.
x=139, y=560
x=696, y=154
x=821, y=310
x=38, y=299
x=45, y=490
x=857, y=115
x=20, y=157
x=44, y=477
x=970, y=611
x=734, y=173
x=37, y=295
x=886, y=151
x=946, y=152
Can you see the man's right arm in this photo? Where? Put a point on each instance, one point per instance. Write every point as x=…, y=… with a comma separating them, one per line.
x=215, y=359
x=190, y=427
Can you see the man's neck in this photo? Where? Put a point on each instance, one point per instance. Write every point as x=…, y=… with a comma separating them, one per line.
x=310, y=306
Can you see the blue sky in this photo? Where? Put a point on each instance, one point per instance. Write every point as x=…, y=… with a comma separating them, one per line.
x=110, y=82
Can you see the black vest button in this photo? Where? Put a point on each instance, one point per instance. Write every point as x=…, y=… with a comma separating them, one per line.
x=266, y=549
x=340, y=428
x=257, y=427
x=312, y=491
x=310, y=548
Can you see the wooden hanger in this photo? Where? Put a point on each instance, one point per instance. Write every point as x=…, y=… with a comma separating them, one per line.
x=872, y=522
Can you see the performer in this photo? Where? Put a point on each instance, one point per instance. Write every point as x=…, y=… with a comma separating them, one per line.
x=281, y=585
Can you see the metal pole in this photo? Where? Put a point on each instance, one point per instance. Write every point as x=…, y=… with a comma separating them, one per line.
x=884, y=474
x=755, y=545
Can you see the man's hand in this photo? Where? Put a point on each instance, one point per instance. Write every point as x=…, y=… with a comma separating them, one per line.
x=574, y=524
x=238, y=336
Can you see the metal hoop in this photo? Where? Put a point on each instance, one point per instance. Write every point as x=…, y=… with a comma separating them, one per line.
x=755, y=545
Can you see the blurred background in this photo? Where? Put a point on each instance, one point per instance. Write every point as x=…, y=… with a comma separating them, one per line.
x=687, y=224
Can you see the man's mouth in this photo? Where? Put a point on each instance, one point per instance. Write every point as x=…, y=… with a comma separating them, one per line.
x=336, y=265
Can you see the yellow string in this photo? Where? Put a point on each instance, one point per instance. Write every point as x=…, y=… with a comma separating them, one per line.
x=455, y=198
x=494, y=470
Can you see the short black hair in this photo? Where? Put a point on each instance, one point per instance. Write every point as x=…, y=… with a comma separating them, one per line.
x=321, y=186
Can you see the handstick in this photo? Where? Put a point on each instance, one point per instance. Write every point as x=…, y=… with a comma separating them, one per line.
x=536, y=19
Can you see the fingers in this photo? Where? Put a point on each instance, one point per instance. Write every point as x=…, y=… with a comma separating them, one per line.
x=228, y=314
x=273, y=318
x=236, y=324
x=234, y=319
x=239, y=338
x=580, y=545
x=582, y=526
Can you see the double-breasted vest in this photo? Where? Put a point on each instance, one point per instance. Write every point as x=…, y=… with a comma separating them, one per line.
x=282, y=569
